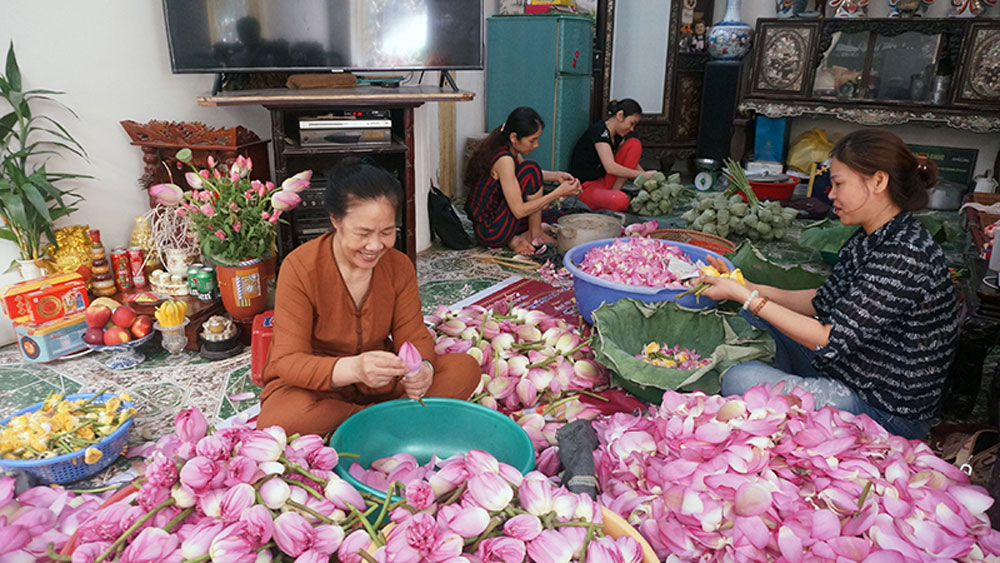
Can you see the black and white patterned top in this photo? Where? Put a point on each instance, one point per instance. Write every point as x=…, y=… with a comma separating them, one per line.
x=894, y=318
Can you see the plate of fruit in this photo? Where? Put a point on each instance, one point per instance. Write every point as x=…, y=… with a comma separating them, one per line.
x=117, y=329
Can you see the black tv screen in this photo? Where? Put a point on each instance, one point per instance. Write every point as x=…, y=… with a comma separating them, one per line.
x=310, y=35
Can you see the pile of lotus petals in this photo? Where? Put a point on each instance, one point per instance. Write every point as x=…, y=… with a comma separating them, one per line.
x=526, y=357
x=640, y=261
x=765, y=477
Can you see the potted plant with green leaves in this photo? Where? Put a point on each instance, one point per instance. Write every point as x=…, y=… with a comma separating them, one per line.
x=31, y=196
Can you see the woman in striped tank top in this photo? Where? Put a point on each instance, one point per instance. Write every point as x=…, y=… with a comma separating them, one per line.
x=506, y=204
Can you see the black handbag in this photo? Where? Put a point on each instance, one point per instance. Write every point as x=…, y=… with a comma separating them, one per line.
x=445, y=224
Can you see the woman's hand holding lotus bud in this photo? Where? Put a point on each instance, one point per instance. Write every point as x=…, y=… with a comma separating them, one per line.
x=419, y=376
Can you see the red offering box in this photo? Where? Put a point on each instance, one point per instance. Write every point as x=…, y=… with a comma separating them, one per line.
x=260, y=343
x=45, y=299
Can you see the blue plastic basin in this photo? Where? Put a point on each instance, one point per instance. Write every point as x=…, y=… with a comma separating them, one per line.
x=591, y=291
x=444, y=428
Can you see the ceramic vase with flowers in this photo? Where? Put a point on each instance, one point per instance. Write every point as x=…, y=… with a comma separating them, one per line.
x=236, y=222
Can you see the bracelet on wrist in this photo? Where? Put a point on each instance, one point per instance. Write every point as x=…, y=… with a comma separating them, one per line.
x=429, y=365
x=746, y=304
x=759, y=306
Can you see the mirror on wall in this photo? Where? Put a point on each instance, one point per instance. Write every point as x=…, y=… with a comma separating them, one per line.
x=639, y=53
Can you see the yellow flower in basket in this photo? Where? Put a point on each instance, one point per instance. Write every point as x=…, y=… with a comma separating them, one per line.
x=92, y=456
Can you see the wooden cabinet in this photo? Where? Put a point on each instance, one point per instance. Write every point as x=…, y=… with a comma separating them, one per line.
x=881, y=71
x=287, y=107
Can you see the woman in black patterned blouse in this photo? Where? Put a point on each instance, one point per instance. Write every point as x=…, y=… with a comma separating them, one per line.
x=878, y=337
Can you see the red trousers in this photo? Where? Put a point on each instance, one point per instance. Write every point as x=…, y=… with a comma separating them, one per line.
x=598, y=194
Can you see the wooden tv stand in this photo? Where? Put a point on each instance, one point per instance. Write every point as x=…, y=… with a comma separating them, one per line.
x=287, y=106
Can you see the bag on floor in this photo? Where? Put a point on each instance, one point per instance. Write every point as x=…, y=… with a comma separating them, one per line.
x=445, y=223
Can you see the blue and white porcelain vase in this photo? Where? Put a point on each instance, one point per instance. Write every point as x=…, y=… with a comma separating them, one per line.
x=730, y=38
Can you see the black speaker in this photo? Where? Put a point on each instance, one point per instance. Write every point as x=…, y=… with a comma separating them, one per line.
x=720, y=95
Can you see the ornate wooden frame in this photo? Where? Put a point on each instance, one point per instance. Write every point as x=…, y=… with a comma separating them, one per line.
x=770, y=58
x=160, y=141
x=981, y=85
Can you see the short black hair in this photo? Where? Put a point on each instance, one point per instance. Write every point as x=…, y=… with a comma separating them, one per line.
x=352, y=180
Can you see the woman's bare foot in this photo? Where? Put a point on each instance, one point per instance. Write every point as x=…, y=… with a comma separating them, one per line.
x=521, y=245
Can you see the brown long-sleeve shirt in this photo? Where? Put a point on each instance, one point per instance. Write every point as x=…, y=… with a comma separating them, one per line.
x=316, y=321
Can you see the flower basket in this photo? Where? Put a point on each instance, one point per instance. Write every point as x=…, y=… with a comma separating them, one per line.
x=627, y=326
x=71, y=467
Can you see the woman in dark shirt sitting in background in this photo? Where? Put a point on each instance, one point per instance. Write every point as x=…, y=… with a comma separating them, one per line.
x=878, y=337
x=506, y=204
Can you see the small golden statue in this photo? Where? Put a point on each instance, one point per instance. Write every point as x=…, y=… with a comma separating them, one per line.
x=142, y=236
x=73, y=251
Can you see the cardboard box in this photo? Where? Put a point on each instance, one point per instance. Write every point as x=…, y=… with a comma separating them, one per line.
x=51, y=340
x=45, y=299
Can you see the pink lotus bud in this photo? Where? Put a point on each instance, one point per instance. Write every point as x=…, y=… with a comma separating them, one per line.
x=149, y=497
x=356, y=541
x=152, y=545
x=490, y=491
x=535, y=493
x=342, y=494
x=261, y=447
x=275, y=492
x=183, y=497
x=467, y=522
x=211, y=161
x=259, y=524
x=301, y=179
x=210, y=503
x=198, y=473
x=241, y=470
x=548, y=461
x=478, y=462
x=411, y=357
x=292, y=533
x=324, y=458
x=419, y=495
x=235, y=173
x=501, y=550
x=524, y=527
x=160, y=470
x=166, y=194
x=236, y=500
x=453, y=327
x=87, y=552
x=285, y=200
x=207, y=210
x=194, y=180
x=200, y=538
x=233, y=545
x=213, y=448
x=327, y=538
x=603, y=550
x=550, y=547
x=241, y=161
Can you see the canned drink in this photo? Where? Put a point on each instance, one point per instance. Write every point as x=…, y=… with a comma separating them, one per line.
x=121, y=269
x=136, y=262
x=192, y=274
x=207, y=285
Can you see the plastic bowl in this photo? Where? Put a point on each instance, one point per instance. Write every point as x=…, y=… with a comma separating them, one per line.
x=444, y=428
x=773, y=190
x=591, y=291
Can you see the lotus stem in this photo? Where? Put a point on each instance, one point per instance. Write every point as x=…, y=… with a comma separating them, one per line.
x=307, y=510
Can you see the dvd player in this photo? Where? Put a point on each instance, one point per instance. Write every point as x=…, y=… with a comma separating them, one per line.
x=334, y=123
x=345, y=136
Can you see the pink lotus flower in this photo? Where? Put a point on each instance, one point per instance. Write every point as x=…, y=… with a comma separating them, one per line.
x=207, y=210
x=292, y=533
x=89, y=552
x=419, y=495
x=342, y=494
x=167, y=194
x=190, y=425
x=235, y=501
x=467, y=522
x=194, y=180
x=501, y=550
x=262, y=447
x=356, y=541
x=285, y=200
x=489, y=491
x=550, y=547
x=199, y=538
x=198, y=473
x=221, y=235
x=298, y=182
x=152, y=545
x=232, y=545
x=411, y=357
x=524, y=527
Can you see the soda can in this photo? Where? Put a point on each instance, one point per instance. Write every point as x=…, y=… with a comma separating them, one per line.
x=207, y=286
x=192, y=274
x=121, y=269
x=136, y=261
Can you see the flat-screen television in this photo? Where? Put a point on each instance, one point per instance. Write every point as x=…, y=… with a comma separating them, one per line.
x=315, y=35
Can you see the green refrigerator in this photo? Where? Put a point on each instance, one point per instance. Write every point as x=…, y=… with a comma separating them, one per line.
x=543, y=62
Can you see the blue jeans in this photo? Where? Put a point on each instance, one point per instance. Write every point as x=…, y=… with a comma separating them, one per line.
x=793, y=365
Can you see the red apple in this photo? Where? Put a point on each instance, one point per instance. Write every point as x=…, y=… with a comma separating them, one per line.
x=123, y=316
x=98, y=315
x=94, y=335
x=116, y=335
x=142, y=326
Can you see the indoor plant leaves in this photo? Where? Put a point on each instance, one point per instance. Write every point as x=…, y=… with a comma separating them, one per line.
x=626, y=326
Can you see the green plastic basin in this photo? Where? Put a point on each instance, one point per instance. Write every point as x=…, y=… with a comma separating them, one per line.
x=444, y=427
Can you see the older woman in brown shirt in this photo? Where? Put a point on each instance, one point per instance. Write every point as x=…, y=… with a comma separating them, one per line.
x=345, y=303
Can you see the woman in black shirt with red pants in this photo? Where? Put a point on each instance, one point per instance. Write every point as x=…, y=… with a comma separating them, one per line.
x=604, y=158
